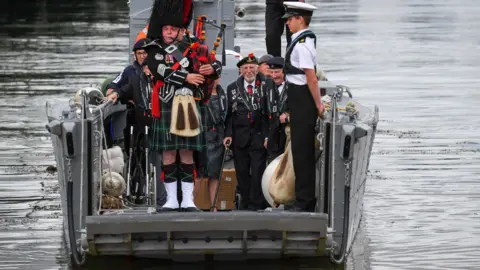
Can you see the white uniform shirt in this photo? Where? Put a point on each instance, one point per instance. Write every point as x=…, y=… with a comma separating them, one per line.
x=280, y=88
x=303, y=56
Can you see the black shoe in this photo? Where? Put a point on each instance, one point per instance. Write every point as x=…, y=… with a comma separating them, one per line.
x=255, y=207
x=287, y=206
x=244, y=206
x=190, y=209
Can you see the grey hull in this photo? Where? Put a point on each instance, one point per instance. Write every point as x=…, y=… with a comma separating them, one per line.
x=246, y=234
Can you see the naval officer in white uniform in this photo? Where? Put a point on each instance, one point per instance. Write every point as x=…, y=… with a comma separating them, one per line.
x=304, y=101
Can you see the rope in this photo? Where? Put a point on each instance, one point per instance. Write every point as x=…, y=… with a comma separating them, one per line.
x=350, y=108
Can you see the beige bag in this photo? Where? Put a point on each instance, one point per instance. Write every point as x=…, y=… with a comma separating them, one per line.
x=282, y=184
x=185, y=120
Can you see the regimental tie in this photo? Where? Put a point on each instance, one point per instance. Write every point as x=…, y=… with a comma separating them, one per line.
x=250, y=92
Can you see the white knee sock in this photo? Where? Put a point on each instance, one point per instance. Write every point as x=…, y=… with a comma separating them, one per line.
x=187, y=195
x=172, y=201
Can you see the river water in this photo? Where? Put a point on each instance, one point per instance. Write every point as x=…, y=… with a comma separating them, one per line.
x=418, y=60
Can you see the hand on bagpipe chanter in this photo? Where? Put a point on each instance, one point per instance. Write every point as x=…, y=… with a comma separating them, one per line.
x=203, y=59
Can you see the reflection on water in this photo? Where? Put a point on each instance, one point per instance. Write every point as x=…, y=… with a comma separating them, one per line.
x=418, y=60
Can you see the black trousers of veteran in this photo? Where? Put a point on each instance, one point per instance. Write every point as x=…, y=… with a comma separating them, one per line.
x=303, y=117
x=276, y=139
x=250, y=161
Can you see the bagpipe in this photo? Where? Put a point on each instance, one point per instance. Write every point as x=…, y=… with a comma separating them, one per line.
x=201, y=56
x=185, y=118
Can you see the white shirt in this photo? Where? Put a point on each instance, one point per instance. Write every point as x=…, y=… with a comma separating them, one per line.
x=303, y=56
x=280, y=88
x=246, y=84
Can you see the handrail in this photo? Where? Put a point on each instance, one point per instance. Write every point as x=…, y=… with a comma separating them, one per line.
x=83, y=118
x=104, y=105
x=332, y=160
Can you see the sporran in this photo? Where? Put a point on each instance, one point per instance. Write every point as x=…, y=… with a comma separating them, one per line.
x=185, y=120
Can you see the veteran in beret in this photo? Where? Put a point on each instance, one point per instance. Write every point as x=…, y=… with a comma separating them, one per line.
x=277, y=105
x=247, y=131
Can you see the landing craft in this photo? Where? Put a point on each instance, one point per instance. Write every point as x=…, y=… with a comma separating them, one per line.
x=83, y=157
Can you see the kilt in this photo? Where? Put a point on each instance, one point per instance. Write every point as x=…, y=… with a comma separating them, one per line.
x=162, y=140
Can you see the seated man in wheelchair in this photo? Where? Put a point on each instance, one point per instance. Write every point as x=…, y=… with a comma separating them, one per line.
x=139, y=89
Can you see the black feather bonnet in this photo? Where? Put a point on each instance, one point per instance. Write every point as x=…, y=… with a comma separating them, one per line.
x=169, y=12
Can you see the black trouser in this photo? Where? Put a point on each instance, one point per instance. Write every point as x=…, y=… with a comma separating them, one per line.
x=273, y=154
x=303, y=116
x=276, y=144
x=250, y=159
x=274, y=25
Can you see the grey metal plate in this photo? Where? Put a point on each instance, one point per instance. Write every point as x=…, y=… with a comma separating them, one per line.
x=205, y=221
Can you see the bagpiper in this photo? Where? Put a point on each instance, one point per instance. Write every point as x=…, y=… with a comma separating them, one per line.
x=177, y=129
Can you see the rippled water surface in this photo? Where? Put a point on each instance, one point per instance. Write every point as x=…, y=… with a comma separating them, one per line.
x=418, y=60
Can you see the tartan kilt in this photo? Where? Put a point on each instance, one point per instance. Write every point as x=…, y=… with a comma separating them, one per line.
x=162, y=140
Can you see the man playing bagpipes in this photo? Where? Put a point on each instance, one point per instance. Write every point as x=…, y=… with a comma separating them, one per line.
x=177, y=122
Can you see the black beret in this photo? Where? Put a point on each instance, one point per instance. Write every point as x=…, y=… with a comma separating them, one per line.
x=250, y=59
x=276, y=62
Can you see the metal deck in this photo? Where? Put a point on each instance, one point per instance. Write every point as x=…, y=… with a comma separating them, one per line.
x=164, y=235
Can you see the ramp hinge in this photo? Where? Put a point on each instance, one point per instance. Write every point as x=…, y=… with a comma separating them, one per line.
x=92, y=248
x=129, y=243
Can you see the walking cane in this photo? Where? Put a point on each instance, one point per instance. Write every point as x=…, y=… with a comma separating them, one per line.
x=147, y=167
x=219, y=179
x=155, y=184
x=129, y=170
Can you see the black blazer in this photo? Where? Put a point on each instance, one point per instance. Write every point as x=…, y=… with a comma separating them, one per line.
x=276, y=135
x=240, y=114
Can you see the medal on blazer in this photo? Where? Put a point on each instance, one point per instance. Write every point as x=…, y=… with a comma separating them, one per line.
x=169, y=59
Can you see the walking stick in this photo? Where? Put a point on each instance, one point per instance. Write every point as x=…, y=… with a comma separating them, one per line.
x=129, y=170
x=219, y=179
x=147, y=167
x=155, y=185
